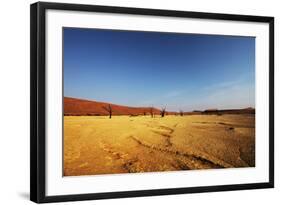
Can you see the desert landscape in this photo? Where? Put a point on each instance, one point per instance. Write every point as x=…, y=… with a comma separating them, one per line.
x=141, y=139
x=149, y=101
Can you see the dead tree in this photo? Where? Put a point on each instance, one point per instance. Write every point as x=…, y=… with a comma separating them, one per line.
x=108, y=109
x=181, y=113
x=163, y=112
x=144, y=113
x=151, y=112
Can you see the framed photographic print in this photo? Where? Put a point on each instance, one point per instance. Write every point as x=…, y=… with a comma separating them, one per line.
x=129, y=102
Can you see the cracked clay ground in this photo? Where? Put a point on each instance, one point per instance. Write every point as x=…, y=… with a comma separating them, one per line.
x=123, y=144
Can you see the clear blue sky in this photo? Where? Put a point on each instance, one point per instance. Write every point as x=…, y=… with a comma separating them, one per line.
x=179, y=71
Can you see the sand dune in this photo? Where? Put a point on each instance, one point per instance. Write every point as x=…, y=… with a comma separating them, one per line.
x=74, y=106
x=81, y=107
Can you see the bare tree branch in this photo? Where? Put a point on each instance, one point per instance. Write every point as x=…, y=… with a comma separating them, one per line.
x=163, y=112
x=108, y=109
x=151, y=112
x=181, y=113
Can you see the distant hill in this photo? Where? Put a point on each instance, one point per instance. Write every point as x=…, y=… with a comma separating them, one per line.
x=230, y=111
x=77, y=107
x=74, y=106
x=248, y=110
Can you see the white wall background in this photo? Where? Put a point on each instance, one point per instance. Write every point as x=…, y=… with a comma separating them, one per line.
x=14, y=100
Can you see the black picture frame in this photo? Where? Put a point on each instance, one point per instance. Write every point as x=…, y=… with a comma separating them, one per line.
x=38, y=103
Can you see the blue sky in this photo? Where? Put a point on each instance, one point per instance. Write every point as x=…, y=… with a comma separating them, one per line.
x=179, y=71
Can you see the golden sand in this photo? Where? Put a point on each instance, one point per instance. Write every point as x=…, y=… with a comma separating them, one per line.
x=124, y=144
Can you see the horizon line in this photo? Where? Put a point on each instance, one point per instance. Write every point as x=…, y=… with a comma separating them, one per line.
x=193, y=110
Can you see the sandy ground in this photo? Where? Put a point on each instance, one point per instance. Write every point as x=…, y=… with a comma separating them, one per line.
x=123, y=144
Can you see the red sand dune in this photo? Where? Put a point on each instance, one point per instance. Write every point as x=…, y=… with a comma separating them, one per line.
x=74, y=106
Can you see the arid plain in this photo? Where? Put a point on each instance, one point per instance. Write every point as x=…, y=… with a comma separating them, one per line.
x=131, y=144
